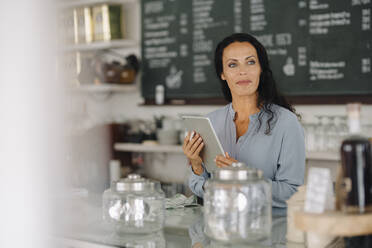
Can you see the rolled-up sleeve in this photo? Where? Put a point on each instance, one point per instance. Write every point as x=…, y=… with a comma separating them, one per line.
x=291, y=165
x=196, y=182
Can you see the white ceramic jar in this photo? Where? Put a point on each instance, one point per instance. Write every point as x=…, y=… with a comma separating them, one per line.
x=237, y=205
x=134, y=205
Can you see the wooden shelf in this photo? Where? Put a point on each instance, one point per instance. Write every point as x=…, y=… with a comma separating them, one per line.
x=77, y=3
x=326, y=156
x=334, y=223
x=134, y=147
x=101, y=45
x=105, y=88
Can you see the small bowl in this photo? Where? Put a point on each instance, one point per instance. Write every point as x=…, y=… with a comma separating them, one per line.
x=167, y=136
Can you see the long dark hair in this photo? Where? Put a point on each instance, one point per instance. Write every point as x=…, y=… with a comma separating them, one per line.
x=268, y=93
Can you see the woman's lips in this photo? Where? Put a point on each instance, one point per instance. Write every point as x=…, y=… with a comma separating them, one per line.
x=244, y=82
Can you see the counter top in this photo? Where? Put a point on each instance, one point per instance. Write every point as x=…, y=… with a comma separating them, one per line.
x=183, y=228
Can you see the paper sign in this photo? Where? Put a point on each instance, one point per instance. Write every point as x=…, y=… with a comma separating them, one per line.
x=319, y=196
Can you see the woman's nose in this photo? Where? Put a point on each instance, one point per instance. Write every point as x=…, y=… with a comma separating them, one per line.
x=243, y=71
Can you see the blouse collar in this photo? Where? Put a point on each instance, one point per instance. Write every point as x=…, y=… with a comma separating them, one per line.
x=232, y=113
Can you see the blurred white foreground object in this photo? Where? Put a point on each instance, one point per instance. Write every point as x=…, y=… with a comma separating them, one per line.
x=31, y=122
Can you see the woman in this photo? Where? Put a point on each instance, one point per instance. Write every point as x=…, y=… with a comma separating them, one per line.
x=259, y=127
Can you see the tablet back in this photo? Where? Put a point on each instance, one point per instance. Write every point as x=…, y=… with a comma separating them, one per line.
x=212, y=145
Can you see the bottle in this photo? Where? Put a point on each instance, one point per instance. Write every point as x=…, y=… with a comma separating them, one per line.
x=356, y=171
x=115, y=170
x=159, y=94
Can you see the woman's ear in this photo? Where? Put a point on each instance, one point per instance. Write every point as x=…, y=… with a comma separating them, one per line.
x=223, y=76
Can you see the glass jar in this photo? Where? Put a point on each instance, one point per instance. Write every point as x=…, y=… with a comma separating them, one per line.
x=134, y=205
x=147, y=240
x=237, y=205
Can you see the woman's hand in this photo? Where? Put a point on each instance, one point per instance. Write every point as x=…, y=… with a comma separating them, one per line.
x=192, y=148
x=222, y=161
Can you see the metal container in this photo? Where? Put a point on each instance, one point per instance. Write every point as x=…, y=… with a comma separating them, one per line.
x=83, y=25
x=107, y=22
x=134, y=205
x=237, y=205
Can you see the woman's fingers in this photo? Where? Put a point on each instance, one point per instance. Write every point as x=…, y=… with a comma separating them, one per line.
x=222, y=161
x=221, y=164
x=192, y=141
x=196, y=145
x=200, y=147
x=186, y=140
x=191, y=144
x=232, y=160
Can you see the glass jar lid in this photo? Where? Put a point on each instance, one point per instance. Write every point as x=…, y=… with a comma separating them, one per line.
x=133, y=182
x=237, y=171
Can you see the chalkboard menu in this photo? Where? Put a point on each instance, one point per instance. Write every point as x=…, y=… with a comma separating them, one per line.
x=315, y=47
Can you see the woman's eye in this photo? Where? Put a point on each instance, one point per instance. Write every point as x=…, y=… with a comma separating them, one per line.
x=251, y=62
x=232, y=65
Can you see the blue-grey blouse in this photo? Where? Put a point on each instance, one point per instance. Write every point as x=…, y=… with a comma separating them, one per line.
x=280, y=155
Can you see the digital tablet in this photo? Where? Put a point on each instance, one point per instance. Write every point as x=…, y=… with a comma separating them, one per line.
x=212, y=146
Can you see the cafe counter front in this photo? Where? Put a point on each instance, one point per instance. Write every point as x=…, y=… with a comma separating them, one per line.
x=83, y=227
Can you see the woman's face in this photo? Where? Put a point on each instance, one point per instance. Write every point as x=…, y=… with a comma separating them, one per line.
x=241, y=68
